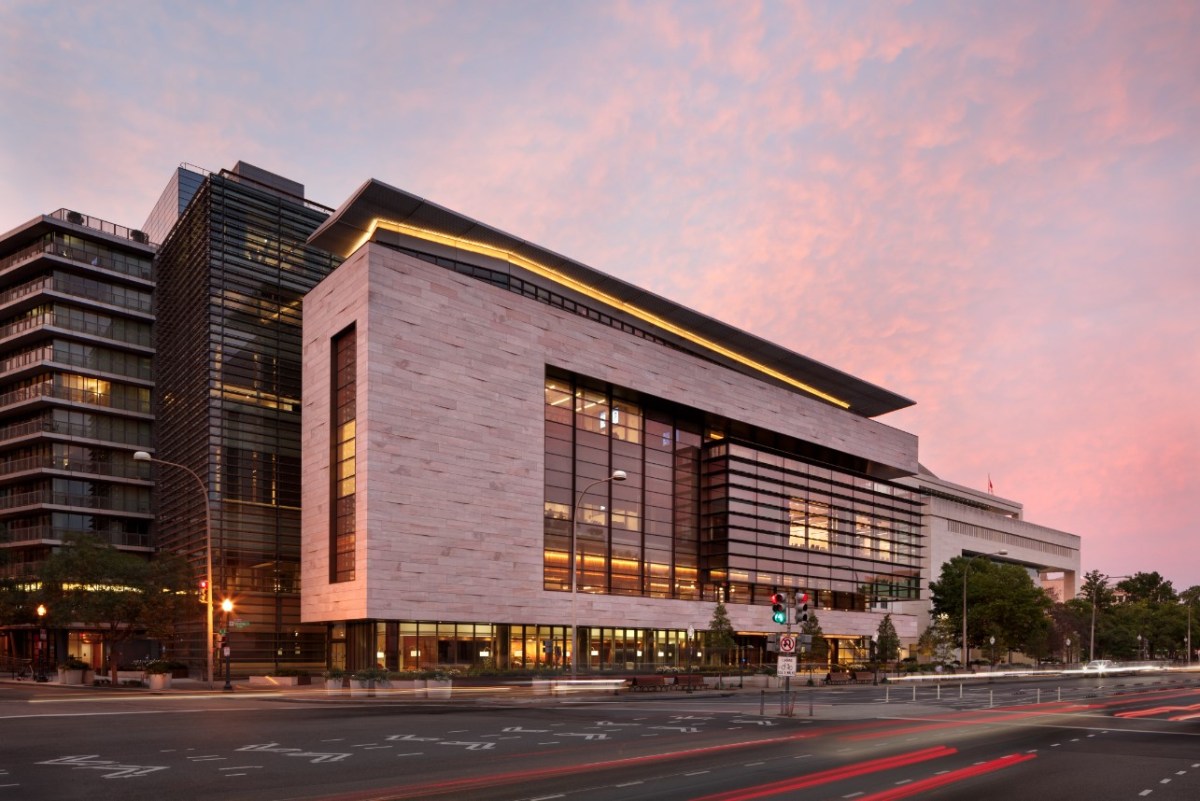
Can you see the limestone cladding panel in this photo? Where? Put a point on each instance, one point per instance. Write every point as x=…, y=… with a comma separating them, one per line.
x=337, y=304
x=450, y=443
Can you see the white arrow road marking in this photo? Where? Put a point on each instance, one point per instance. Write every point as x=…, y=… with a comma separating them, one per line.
x=469, y=746
x=414, y=738
x=614, y=723
x=756, y=722
x=311, y=756
x=684, y=729
x=115, y=770
x=524, y=731
x=585, y=735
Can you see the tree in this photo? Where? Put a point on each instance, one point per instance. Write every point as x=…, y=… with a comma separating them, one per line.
x=88, y=581
x=719, y=638
x=887, y=642
x=819, y=650
x=1002, y=602
x=938, y=640
x=1149, y=587
x=171, y=599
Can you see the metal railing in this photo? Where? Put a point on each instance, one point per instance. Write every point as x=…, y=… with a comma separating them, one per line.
x=47, y=390
x=103, y=226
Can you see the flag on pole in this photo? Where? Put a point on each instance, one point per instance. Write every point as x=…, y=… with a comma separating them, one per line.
x=990, y=490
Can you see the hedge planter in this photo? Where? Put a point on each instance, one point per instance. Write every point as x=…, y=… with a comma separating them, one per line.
x=362, y=688
x=437, y=688
x=159, y=681
x=335, y=686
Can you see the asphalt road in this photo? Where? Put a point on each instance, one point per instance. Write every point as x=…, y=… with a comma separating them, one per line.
x=1101, y=740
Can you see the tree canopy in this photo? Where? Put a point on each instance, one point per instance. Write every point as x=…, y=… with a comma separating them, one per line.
x=1002, y=602
x=116, y=593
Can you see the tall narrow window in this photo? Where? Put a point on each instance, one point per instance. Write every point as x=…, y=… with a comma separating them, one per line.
x=342, y=530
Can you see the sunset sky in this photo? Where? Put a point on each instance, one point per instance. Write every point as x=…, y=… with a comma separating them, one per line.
x=990, y=208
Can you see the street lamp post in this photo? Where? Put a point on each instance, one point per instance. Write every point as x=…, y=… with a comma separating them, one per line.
x=966, y=568
x=617, y=475
x=1095, y=593
x=143, y=456
x=41, y=644
x=226, y=607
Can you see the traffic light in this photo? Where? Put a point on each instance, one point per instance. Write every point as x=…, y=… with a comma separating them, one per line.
x=802, y=606
x=203, y=591
x=779, y=607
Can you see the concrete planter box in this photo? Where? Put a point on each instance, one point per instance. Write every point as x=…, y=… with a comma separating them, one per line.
x=70, y=676
x=361, y=688
x=543, y=686
x=335, y=686
x=159, y=681
x=438, y=688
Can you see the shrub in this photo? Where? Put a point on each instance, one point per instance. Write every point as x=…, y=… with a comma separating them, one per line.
x=290, y=672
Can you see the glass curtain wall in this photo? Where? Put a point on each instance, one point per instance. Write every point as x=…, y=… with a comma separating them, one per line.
x=231, y=278
x=702, y=515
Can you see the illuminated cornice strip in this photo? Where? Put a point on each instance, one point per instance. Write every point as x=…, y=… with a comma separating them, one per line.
x=553, y=275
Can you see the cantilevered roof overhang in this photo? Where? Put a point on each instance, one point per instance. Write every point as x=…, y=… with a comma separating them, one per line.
x=379, y=207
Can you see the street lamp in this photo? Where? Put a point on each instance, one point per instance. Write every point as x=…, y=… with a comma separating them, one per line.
x=966, y=568
x=617, y=475
x=143, y=456
x=1095, y=593
x=226, y=607
x=41, y=662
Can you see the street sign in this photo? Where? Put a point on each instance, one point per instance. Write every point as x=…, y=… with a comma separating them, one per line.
x=787, y=643
x=772, y=643
x=786, y=666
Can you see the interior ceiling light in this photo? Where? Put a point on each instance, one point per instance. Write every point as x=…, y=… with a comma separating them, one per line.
x=565, y=280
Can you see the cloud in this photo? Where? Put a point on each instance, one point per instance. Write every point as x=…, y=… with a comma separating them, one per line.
x=987, y=209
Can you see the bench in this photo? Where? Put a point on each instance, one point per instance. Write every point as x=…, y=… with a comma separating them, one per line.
x=646, y=683
x=863, y=677
x=838, y=678
x=688, y=681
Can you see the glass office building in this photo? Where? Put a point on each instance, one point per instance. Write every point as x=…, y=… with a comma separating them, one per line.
x=232, y=273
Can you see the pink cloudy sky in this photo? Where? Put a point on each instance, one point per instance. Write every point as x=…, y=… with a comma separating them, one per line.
x=990, y=208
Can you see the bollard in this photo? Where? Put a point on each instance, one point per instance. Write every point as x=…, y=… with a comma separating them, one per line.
x=960, y=689
x=887, y=693
x=1060, y=693
x=991, y=698
x=810, y=702
x=762, y=703
x=1039, y=695
x=939, y=686
x=914, y=692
